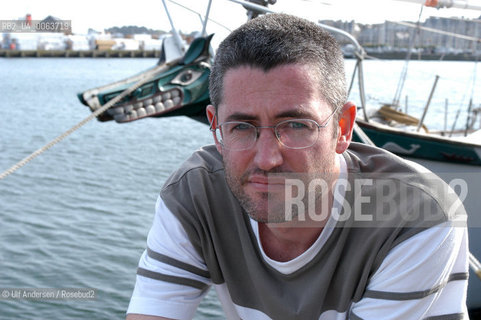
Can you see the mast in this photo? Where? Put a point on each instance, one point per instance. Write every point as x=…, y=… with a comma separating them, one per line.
x=178, y=40
x=206, y=19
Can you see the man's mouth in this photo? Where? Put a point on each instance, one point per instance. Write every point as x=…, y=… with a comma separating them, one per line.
x=263, y=183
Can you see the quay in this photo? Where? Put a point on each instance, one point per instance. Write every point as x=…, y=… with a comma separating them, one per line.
x=79, y=53
x=396, y=55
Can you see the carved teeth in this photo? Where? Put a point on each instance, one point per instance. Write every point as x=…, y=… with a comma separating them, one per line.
x=121, y=117
x=150, y=109
x=168, y=104
x=146, y=107
x=141, y=112
x=159, y=106
x=115, y=111
x=147, y=102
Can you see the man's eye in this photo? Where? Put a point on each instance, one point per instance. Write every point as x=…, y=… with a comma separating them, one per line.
x=241, y=126
x=297, y=125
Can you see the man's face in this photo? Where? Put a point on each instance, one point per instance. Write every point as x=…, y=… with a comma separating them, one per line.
x=265, y=99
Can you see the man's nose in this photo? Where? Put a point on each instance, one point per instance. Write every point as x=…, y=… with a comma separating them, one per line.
x=268, y=150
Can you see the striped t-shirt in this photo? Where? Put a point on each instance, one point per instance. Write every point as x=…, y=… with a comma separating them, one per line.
x=396, y=248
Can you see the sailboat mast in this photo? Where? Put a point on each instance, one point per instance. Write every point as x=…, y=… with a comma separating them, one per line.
x=176, y=34
x=206, y=19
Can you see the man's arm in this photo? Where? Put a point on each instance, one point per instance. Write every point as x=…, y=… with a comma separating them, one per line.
x=423, y=277
x=172, y=277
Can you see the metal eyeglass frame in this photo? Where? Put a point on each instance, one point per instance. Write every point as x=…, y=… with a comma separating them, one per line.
x=276, y=133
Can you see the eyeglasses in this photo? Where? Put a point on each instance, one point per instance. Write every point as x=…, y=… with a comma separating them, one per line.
x=292, y=133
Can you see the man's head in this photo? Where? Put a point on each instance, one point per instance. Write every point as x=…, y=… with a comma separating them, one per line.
x=275, y=84
x=278, y=39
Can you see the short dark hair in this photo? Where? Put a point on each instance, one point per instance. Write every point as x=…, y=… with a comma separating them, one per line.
x=278, y=39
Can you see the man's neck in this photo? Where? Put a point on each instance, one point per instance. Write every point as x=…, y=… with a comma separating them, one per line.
x=286, y=243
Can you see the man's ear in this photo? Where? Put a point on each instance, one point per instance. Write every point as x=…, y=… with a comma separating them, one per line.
x=346, y=126
x=211, y=117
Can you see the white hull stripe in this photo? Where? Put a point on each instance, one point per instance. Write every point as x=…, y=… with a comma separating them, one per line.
x=176, y=263
x=415, y=294
x=173, y=279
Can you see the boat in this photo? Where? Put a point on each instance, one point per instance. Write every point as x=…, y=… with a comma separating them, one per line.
x=179, y=87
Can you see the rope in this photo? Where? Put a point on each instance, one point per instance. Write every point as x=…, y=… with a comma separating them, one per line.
x=146, y=77
x=475, y=265
x=353, y=77
x=402, y=78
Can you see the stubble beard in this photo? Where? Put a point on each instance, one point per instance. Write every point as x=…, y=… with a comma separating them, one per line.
x=258, y=208
x=269, y=207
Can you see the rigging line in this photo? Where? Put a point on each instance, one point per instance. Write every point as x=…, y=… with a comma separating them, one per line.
x=353, y=77
x=473, y=84
x=457, y=116
x=475, y=265
x=200, y=15
x=402, y=78
x=147, y=76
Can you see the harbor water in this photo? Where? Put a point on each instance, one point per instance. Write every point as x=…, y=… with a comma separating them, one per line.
x=77, y=216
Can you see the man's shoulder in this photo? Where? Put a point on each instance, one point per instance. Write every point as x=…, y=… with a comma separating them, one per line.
x=203, y=162
x=364, y=161
x=428, y=199
x=364, y=158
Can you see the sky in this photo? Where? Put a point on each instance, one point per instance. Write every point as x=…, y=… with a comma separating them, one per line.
x=101, y=14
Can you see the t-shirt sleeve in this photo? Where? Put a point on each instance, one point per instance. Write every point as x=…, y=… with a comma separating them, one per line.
x=424, y=277
x=172, y=277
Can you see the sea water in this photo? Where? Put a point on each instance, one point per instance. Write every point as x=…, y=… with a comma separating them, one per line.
x=78, y=215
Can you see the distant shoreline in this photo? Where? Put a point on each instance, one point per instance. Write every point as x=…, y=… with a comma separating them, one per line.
x=424, y=56
x=156, y=54
x=79, y=53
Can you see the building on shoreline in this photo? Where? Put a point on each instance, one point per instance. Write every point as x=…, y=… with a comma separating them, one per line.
x=434, y=36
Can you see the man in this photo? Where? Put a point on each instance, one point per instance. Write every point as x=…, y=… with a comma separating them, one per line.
x=281, y=217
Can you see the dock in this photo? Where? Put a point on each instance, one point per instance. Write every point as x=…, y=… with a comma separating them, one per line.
x=156, y=54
